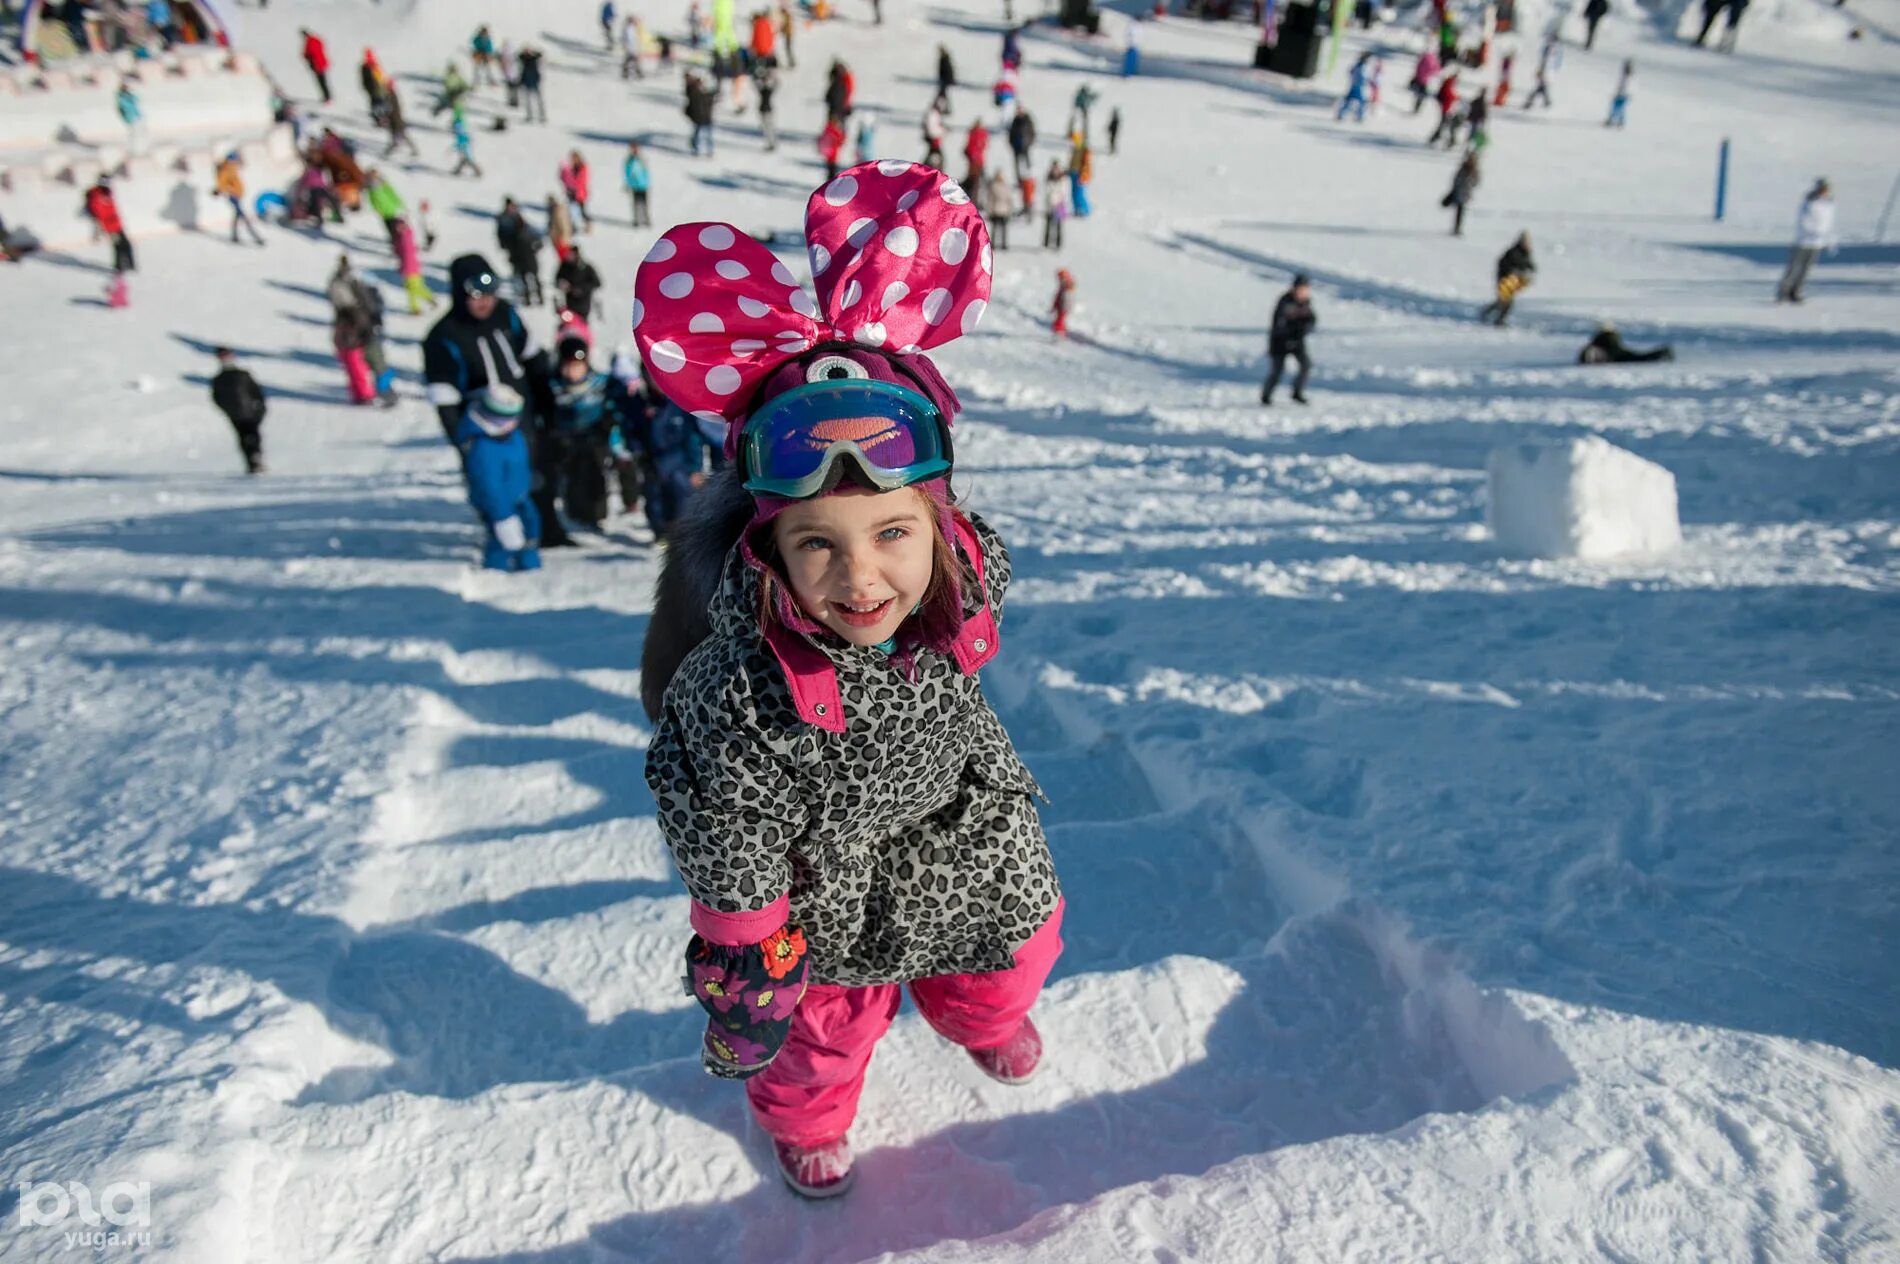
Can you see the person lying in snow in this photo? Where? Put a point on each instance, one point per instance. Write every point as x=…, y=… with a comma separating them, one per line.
x=845, y=808
x=1606, y=347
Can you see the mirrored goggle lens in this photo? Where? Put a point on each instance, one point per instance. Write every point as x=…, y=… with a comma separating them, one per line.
x=482, y=283
x=889, y=428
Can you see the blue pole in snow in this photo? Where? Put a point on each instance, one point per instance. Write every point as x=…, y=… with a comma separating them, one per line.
x=1721, y=181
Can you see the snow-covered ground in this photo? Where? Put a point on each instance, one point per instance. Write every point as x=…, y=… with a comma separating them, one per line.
x=1423, y=904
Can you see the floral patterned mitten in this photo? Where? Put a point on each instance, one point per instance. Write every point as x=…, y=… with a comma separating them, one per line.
x=750, y=990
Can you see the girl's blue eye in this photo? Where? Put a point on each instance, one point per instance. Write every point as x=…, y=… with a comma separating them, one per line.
x=814, y=543
x=893, y=533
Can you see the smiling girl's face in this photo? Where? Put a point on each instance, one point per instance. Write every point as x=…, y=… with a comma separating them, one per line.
x=859, y=561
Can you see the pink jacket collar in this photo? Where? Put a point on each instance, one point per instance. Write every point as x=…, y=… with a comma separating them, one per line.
x=814, y=679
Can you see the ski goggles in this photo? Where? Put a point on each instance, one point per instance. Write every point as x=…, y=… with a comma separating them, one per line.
x=791, y=447
x=483, y=282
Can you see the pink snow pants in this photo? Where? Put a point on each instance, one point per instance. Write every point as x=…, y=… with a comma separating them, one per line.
x=356, y=365
x=809, y=1095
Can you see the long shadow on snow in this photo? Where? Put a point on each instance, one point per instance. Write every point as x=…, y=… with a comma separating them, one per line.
x=1805, y=83
x=1279, y=268
x=368, y=527
x=293, y=355
x=223, y=631
x=752, y=182
x=1775, y=253
x=338, y=398
x=456, y=1018
x=1412, y=146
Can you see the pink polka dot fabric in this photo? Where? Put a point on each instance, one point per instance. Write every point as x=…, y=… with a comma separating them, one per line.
x=900, y=260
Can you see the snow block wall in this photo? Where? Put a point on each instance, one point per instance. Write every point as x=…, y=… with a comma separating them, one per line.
x=60, y=130
x=1585, y=499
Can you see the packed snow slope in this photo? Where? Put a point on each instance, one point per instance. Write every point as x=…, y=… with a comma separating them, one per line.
x=1423, y=904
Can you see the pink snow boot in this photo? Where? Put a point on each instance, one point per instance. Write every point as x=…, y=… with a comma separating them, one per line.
x=1015, y=1060
x=819, y=1172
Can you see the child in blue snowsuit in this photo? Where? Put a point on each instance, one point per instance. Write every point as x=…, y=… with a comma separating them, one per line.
x=676, y=452
x=1359, y=92
x=495, y=454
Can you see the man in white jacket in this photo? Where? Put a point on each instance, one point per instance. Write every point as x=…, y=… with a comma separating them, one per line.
x=1813, y=233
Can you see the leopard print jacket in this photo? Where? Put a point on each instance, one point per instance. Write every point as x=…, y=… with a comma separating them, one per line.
x=909, y=843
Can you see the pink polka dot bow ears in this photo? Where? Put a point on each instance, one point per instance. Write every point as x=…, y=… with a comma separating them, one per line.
x=899, y=257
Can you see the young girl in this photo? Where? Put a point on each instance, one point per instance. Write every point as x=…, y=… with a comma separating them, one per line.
x=845, y=808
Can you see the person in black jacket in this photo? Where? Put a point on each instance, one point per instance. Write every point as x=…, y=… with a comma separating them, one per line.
x=1293, y=319
x=1022, y=139
x=837, y=94
x=1464, y=183
x=1593, y=13
x=529, y=86
x=577, y=281
x=699, y=111
x=522, y=244
x=241, y=400
x=1607, y=348
x=1515, y=269
x=484, y=342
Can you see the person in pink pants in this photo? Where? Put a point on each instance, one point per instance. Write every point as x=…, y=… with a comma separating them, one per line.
x=356, y=369
x=845, y=809
x=808, y=1096
x=350, y=333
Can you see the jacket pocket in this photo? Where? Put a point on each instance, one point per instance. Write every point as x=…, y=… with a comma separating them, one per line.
x=1002, y=769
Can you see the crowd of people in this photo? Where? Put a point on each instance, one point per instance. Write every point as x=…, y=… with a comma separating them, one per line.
x=1439, y=71
x=515, y=409
x=543, y=434
x=143, y=27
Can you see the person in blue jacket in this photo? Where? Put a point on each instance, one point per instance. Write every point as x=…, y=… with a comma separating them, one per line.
x=676, y=450
x=484, y=342
x=495, y=454
x=638, y=179
x=1359, y=92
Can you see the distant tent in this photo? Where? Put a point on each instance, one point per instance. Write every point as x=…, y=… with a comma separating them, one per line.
x=48, y=34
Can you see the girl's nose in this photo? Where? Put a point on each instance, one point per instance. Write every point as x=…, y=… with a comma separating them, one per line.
x=859, y=567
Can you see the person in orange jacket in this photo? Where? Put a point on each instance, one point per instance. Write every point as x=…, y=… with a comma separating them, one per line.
x=231, y=185
x=764, y=37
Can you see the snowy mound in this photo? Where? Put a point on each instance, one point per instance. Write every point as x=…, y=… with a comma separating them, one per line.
x=1587, y=498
